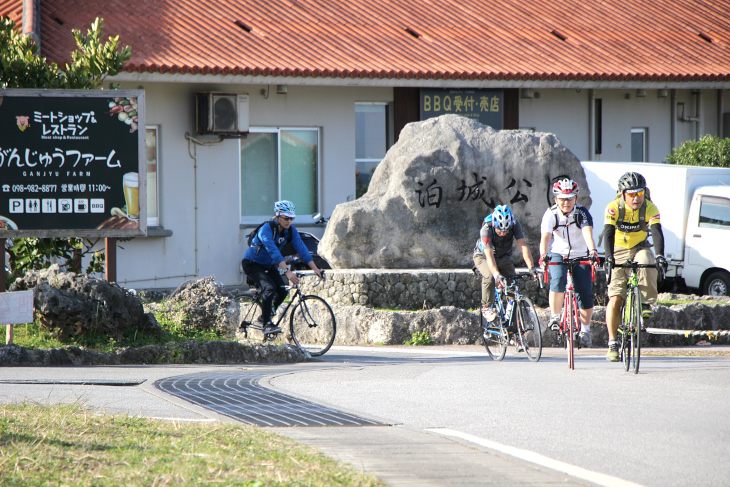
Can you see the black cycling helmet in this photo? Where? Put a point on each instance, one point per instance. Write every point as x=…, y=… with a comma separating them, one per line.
x=631, y=181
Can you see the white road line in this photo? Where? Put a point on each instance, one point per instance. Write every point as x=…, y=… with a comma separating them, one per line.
x=421, y=350
x=537, y=459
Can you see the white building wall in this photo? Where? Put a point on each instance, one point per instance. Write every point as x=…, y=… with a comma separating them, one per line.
x=562, y=112
x=212, y=242
x=214, y=185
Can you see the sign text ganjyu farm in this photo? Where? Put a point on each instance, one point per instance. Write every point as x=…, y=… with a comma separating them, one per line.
x=71, y=163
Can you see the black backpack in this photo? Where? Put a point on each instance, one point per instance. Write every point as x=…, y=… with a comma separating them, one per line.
x=250, y=236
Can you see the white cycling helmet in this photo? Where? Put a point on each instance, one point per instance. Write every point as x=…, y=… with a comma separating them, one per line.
x=565, y=188
x=285, y=208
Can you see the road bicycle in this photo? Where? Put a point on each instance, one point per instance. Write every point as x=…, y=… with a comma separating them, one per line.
x=632, y=322
x=312, y=324
x=516, y=321
x=569, y=327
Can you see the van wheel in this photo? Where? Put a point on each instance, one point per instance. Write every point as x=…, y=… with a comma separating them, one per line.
x=717, y=284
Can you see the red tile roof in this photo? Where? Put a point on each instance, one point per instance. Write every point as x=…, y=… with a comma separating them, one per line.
x=621, y=40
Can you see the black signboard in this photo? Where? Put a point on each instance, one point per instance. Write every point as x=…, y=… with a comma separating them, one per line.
x=485, y=106
x=70, y=163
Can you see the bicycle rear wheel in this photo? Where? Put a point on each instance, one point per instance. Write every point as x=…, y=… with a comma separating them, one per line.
x=636, y=331
x=313, y=326
x=530, y=333
x=495, y=337
x=251, y=322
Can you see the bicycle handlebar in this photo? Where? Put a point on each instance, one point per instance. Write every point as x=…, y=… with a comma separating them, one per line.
x=570, y=263
x=630, y=264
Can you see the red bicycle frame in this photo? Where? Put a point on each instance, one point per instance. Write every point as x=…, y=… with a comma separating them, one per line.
x=571, y=315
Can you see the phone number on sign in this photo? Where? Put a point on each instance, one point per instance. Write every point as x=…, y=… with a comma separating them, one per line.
x=35, y=188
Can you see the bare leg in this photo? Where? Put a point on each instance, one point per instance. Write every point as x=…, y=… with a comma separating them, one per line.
x=613, y=314
x=556, y=302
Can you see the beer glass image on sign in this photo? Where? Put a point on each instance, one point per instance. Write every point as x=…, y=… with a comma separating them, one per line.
x=131, y=194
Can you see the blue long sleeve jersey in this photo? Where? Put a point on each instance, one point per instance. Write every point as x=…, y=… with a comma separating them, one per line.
x=267, y=244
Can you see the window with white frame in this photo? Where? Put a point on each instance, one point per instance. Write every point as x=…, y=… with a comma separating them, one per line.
x=639, y=145
x=371, y=141
x=152, y=156
x=279, y=164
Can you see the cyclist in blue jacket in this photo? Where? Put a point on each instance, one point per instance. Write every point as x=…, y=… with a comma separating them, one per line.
x=263, y=259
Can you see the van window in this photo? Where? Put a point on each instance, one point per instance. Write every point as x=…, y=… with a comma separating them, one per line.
x=714, y=212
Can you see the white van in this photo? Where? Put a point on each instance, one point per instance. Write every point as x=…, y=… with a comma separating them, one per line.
x=694, y=203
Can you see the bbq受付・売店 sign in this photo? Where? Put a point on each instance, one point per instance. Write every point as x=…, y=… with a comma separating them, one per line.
x=483, y=105
x=70, y=163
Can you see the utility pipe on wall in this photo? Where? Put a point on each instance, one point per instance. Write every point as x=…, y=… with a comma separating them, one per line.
x=698, y=114
x=591, y=124
x=720, y=111
x=673, y=118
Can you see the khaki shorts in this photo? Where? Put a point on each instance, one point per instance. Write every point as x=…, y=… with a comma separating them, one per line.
x=504, y=266
x=647, y=277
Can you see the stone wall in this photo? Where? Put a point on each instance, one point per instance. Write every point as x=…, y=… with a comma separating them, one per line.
x=417, y=289
x=357, y=325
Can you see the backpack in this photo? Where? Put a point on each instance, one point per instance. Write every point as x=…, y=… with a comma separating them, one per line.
x=554, y=209
x=488, y=221
x=250, y=236
x=287, y=249
x=622, y=212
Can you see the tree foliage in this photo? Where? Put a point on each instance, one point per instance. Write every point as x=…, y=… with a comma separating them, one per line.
x=23, y=67
x=92, y=61
x=709, y=151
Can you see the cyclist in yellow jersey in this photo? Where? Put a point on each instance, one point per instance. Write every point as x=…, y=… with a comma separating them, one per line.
x=627, y=222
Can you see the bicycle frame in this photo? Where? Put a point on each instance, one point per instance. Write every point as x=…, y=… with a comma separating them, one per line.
x=521, y=327
x=256, y=297
x=571, y=315
x=628, y=329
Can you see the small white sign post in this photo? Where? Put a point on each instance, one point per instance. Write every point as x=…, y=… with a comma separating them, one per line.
x=15, y=308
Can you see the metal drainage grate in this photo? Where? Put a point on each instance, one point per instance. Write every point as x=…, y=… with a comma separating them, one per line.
x=66, y=382
x=243, y=399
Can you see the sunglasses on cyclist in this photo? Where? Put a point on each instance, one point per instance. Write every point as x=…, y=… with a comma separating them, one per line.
x=635, y=192
x=286, y=218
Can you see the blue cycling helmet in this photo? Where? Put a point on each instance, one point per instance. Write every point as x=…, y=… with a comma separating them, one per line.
x=502, y=218
x=284, y=207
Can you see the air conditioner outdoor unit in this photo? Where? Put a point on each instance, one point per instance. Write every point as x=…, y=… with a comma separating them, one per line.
x=221, y=113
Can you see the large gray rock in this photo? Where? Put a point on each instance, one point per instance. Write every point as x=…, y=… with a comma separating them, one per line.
x=428, y=197
x=202, y=304
x=72, y=304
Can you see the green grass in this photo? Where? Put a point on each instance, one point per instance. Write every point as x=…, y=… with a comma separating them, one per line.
x=35, y=336
x=672, y=302
x=71, y=445
x=419, y=338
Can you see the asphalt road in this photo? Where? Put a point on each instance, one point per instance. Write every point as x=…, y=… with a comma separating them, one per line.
x=458, y=417
x=667, y=426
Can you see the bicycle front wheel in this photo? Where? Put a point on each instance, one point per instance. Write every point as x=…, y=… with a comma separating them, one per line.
x=495, y=337
x=636, y=331
x=624, y=330
x=571, y=320
x=312, y=325
x=530, y=333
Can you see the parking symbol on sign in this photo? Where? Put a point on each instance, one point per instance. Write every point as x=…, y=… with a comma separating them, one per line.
x=65, y=206
x=49, y=206
x=81, y=205
x=16, y=206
